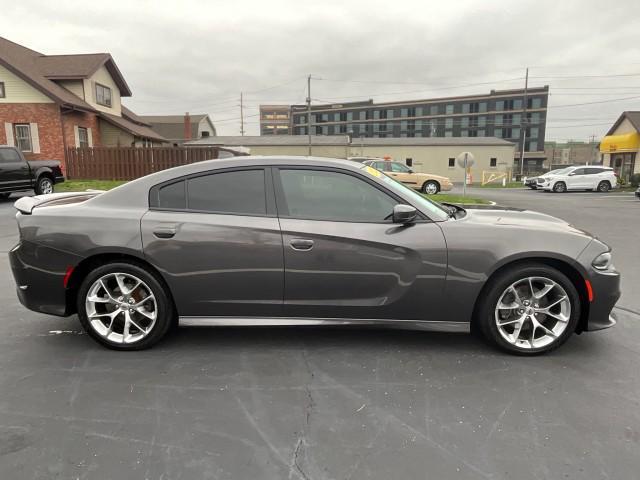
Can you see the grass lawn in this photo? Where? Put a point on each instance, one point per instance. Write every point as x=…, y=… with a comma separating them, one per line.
x=446, y=197
x=499, y=185
x=82, y=185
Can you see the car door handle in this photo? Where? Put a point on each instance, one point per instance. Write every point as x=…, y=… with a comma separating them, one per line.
x=301, y=244
x=164, y=232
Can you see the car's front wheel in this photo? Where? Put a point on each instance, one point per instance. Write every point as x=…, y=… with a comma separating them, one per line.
x=560, y=187
x=124, y=306
x=529, y=309
x=430, y=187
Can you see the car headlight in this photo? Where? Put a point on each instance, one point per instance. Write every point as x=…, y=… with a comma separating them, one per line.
x=602, y=261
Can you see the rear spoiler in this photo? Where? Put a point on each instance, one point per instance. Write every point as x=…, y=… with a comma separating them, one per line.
x=27, y=204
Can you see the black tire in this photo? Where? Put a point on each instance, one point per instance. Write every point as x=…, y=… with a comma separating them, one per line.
x=165, y=317
x=560, y=187
x=604, y=186
x=44, y=185
x=485, y=314
x=430, y=185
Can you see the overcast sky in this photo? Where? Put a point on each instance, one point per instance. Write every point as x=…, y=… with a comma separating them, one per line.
x=198, y=56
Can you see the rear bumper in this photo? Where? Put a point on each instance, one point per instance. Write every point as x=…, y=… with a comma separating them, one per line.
x=445, y=187
x=58, y=179
x=39, y=275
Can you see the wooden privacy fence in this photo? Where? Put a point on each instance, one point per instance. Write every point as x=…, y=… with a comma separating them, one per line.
x=128, y=163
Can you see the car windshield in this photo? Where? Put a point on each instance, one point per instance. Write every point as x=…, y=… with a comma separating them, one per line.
x=440, y=212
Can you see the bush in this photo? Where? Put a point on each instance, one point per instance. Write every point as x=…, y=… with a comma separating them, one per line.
x=635, y=179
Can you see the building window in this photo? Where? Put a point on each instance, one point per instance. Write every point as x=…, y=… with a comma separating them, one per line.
x=452, y=163
x=449, y=109
x=493, y=162
x=103, y=95
x=499, y=105
x=23, y=137
x=448, y=123
x=409, y=162
x=433, y=110
x=83, y=137
x=481, y=133
x=448, y=133
x=2, y=92
x=533, y=146
x=534, y=102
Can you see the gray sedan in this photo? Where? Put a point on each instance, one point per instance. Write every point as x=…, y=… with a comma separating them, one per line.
x=305, y=241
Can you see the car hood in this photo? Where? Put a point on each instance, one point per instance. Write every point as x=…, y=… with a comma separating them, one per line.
x=516, y=217
x=433, y=177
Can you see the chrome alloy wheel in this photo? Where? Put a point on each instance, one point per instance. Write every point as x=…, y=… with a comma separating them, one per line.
x=121, y=308
x=533, y=312
x=431, y=188
x=46, y=186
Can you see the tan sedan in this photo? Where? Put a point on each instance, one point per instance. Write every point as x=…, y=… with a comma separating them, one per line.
x=424, y=182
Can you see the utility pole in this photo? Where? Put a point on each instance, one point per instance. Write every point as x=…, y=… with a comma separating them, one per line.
x=241, y=116
x=309, y=112
x=524, y=122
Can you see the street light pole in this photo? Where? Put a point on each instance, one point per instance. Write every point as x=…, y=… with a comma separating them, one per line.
x=524, y=123
x=309, y=113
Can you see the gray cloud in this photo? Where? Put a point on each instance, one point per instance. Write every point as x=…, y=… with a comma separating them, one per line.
x=198, y=55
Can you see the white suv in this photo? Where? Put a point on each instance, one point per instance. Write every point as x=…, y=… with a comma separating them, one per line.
x=597, y=178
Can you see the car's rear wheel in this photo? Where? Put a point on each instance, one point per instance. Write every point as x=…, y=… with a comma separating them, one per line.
x=430, y=187
x=604, y=186
x=123, y=306
x=529, y=309
x=560, y=187
x=44, y=185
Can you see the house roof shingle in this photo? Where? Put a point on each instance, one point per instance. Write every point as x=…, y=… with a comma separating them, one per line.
x=172, y=126
x=632, y=116
x=39, y=70
x=133, y=128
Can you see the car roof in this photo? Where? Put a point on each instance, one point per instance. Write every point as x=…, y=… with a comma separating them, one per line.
x=138, y=189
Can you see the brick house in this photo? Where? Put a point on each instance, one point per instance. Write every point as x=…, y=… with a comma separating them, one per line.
x=51, y=102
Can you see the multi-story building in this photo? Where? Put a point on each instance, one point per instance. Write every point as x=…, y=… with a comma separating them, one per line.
x=500, y=113
x=274, y=120
x=571, y=153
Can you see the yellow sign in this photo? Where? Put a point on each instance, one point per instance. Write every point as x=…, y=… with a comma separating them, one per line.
x=373, y=171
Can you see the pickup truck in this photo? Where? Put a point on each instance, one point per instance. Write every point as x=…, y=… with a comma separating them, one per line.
x=18, y=174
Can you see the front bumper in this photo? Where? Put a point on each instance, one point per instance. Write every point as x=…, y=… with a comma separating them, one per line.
x=606, y=292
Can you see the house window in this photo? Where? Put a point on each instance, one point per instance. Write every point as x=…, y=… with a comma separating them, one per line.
x=2, y=93
x=493, y=162
x=409, y=162
x=205, y=133
x=103, y=95
x=23, y=137
x=83, y=137
x=452, y=162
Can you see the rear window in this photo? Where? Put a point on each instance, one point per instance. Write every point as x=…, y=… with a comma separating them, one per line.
x=9, y=155
x=173, y=196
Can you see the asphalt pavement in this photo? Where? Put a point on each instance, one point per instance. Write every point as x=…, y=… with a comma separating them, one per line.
x=311, y=403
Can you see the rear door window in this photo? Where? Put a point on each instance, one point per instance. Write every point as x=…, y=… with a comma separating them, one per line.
x=238, y=192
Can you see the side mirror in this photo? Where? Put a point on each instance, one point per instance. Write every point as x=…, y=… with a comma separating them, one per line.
x=572, y=174
x=403, y=214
